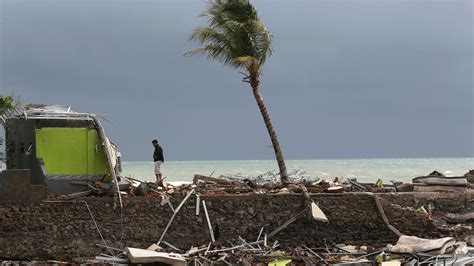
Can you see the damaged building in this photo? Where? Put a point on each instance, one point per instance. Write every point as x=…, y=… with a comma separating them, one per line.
x=62, y=149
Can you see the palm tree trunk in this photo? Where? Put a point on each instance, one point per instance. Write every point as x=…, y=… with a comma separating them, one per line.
x=271, y=132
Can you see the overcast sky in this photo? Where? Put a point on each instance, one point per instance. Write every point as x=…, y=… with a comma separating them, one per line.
x=348, y=78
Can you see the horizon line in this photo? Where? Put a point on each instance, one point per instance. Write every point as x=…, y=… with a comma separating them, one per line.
x=332, y=159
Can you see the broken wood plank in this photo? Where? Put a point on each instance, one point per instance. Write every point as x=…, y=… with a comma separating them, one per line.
x=76, y=195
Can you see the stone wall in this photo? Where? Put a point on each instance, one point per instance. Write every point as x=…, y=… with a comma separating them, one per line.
x=17, y=187
x=401, y=211
x=65, y=230
x=445, y=202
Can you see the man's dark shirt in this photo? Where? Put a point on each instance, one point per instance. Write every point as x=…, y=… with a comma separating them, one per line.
x=158, y=154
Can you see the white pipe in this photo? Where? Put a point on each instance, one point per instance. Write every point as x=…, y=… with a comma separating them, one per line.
x=198, y=201
x=208, y=221
x=174, y=214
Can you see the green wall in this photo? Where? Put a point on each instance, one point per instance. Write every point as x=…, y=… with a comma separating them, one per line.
x=70, y=151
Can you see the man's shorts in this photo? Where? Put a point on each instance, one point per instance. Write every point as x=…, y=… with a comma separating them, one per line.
x=158, y=167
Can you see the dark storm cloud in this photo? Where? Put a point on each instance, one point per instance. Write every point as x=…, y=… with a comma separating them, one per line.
x=347, y=78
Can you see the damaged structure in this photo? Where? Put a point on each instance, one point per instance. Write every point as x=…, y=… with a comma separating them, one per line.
x=62, y=149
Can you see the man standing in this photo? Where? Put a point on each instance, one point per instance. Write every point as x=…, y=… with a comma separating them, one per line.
x=158, y=159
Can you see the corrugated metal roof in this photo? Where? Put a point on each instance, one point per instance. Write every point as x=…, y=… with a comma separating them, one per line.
x=44, y=111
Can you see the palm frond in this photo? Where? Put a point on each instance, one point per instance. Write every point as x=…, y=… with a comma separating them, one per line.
x=213, y=53
x=234, y=35
x=208, y=35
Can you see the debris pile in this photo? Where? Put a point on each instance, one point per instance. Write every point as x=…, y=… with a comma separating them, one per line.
x=409, y=250
x=436, y=181
x=269, y=182
x=294, y=176
x=265, y=247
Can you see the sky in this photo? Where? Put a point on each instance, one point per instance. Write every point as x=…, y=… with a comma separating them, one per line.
x=347, y=79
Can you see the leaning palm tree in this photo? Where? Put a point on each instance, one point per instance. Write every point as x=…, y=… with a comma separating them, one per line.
x=236, y=37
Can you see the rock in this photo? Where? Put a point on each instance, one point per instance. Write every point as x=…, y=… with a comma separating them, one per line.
x=251, y=210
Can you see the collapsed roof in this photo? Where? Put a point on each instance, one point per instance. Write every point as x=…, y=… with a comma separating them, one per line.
x=44, y=111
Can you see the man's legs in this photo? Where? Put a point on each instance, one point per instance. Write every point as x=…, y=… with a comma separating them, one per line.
x=159, y=179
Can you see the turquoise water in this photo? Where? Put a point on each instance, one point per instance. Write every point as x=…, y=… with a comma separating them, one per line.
x=365, y=170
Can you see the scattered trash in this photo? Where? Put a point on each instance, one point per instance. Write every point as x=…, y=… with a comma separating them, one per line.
x=317, y=213
x=413, y=244
x=422, y=210
x=436, y=181
x=137, y=255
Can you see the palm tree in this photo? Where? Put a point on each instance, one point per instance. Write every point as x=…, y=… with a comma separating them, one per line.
x=236, y=37
x=7, y=103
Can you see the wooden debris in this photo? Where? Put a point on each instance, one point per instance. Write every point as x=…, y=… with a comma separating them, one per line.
x=76, y=195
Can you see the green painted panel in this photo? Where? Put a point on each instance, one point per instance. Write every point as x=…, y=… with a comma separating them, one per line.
x=70, y=151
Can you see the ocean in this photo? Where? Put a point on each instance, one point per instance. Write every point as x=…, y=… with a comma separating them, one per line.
x=365, y=170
